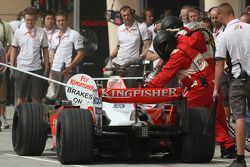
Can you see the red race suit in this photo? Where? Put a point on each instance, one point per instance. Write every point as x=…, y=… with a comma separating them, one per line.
x=190, y=63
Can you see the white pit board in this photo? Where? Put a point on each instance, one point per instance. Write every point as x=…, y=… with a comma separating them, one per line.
x=81, y=90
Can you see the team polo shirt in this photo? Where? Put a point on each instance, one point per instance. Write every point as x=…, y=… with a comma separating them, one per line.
x=29, y=44
x=50, y=33
x=235, y=39
x=63, y=47
x=129, y=39
x=216, y=33
x=15, y=24
x=151, y=28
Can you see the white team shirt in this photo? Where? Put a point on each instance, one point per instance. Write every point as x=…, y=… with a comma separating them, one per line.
x=50, y=33
x=156, y=61
x=151, y=28
x=15, y=24
x=235, y=39
x=129, y=42
x=63, y=48
x=151, y=48
x=30, y=44
x=216, y=33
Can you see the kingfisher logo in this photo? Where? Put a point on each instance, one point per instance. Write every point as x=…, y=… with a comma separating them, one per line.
x=138, y=92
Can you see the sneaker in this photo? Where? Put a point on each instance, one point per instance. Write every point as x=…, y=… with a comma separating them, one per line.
x=247, y=147
x=235, y=163
x=228, y=153
x=5, y=124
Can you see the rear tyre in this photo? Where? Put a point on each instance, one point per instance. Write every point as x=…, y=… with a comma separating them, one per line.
x=29, y=131
x=197, y=147
x=75, y=136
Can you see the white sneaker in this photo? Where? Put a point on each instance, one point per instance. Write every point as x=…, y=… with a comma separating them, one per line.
x=247, y=147
x=5, y=124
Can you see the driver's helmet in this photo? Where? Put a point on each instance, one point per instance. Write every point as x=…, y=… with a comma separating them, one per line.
x=171, y=23
x=164, y=44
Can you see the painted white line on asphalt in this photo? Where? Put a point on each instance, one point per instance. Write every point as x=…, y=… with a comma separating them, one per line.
x=225, y=160
x=40, y=159
x=221, y=160
x=51, y=161
x=33, y=158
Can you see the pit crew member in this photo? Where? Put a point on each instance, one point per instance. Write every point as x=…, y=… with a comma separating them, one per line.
x=195, y=73
x=235, y=40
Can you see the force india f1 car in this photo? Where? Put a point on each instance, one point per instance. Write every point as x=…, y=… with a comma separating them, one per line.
x=132, y=123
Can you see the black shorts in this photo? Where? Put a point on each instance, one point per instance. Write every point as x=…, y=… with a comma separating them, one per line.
x=239, y=91
x=25, y=82
x=59, y=89
x=225, y=85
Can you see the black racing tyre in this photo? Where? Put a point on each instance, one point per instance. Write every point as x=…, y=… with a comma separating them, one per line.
x=29, y=131
x=75, y=136
x=196, y=146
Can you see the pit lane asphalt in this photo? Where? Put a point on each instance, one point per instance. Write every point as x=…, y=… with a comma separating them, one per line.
x=8, y=157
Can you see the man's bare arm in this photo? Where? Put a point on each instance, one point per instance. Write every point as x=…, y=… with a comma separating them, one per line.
x=219, y=69
x=78, y=58
x=146, y=45
x=13, y=54
x=114, y=52
x=46, y=59
x=151, y=56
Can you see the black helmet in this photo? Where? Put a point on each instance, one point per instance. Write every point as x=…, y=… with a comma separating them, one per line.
x=164, y=43
x=171, y=22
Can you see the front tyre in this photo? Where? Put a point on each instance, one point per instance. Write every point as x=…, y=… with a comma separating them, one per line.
x=75, y=136
x=29, y=131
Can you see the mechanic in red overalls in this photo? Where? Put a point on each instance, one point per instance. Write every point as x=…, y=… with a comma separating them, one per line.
x=197, y=41
x=190, y=66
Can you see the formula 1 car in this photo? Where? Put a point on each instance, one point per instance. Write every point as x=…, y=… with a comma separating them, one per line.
x=132, y=123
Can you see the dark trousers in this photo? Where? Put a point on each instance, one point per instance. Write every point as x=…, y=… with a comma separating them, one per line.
x=59, y=89
x=129, y=71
